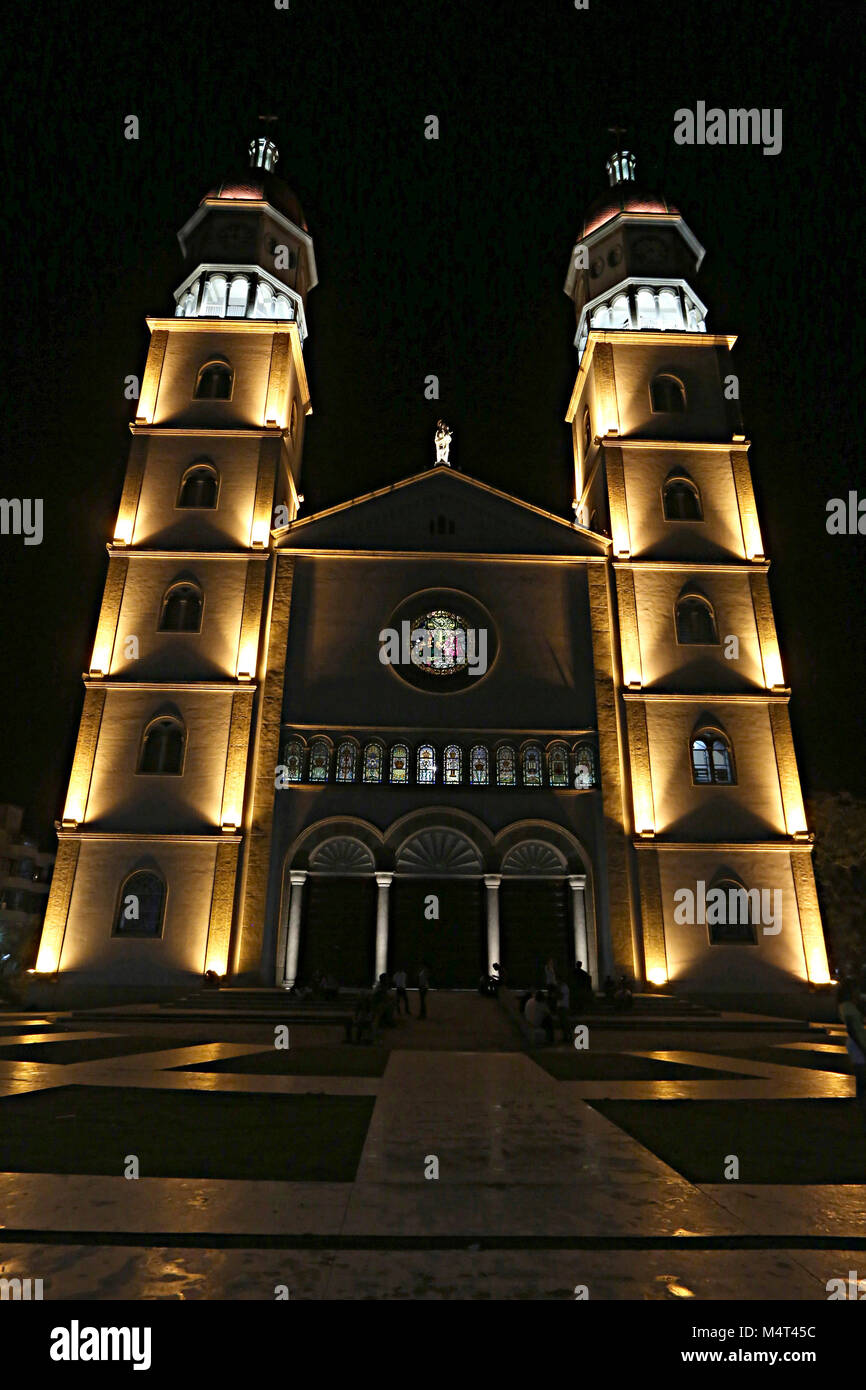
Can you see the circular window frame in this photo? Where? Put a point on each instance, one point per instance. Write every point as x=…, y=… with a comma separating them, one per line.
x=462, y=605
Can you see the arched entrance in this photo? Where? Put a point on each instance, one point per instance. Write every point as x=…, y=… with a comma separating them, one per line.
x=437, y=911
x=329, y=915
x=544, y=904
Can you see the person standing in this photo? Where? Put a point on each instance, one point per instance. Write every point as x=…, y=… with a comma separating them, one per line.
x=550, y=974
x=400, y=987
x=423, y=986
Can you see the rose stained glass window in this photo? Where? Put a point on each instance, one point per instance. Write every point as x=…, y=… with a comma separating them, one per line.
x=438, y=643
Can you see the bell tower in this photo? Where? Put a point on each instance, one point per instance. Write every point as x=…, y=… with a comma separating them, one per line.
x=161, y=833
x=710, y=796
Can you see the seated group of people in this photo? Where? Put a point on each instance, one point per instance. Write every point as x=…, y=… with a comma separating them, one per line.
x=321, y=986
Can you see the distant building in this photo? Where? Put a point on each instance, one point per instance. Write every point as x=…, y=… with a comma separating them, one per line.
x=25, y=875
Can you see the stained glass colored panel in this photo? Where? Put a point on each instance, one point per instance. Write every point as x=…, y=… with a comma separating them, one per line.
x=400, y=763
x=532, y=767
x=373, y=759
x=426, y=770
x=293, y=760
x=557, y=765
x=320, y=760
x=506, y=767
x=347, y=755
x=453, y=764
x=584, y=766
x=438, y=643
x=479, y=766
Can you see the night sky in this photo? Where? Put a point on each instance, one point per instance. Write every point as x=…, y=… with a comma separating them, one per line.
x=444, y=257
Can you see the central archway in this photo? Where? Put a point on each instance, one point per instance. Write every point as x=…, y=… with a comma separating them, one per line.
x=437, y=913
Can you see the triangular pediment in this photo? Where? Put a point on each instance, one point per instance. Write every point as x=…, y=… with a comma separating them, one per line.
x=440, y=510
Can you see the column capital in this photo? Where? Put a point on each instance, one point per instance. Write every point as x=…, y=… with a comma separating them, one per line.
x=298, y=877
x=492, y=880
x=384, y=880
x=576, y=881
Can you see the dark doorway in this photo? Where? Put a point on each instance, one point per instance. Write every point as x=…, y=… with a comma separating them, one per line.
x=339, y=929
x=453, y=945
x=534, y=926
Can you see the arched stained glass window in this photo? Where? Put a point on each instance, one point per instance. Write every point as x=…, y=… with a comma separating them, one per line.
x=584, y=766
x=506, y=766
x=293, y=760
x=320, y=760
x=557, y=764
x=374, y=758
x=399, y=772
x=712, y=760
x=347, y=761
x=426, y=765
x=140, y=905
x=452, y=763
x=531, y=760
x=479, y=766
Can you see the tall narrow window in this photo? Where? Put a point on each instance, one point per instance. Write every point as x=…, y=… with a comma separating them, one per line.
x=198, y=486
x=733, y=920
x=696, y=622
x=347, y=759
x=213, y=302
x=584, y=766
x=374, y=757
x=712, y=758
x=506, y=766
x=682, y=500
x=181, y=609
x=670, y=310
x=557, y=764
x=320, y=760
x=620, y=315
x=452, y=763
x=479, y=766
x=425, y=773
x=399, y=768
x=293, y=760
x=531, y=760
x=668, y=394
x=140, y=905
x=161, y=752
x=587, y=432
x=237, y=303
x=647, y=313
x=214, y=382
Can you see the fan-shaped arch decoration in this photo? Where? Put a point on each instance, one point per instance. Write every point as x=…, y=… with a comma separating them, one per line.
x=439, y=852
x=342, y=855
x=534, y=859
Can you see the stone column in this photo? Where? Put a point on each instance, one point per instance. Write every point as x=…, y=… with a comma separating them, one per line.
x=384, y=883
x=491, y=883
x=297, y=878
x=577, y=884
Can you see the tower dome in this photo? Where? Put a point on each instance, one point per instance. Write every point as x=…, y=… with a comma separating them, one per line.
x=633, y=260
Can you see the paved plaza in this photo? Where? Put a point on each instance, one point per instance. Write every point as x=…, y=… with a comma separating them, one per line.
x=446, y=1161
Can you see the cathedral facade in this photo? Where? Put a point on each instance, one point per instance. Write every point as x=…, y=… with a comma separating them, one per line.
x=434, y=724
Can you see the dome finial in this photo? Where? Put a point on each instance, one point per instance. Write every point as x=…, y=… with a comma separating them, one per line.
x=263, y=151
x=620, y=166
